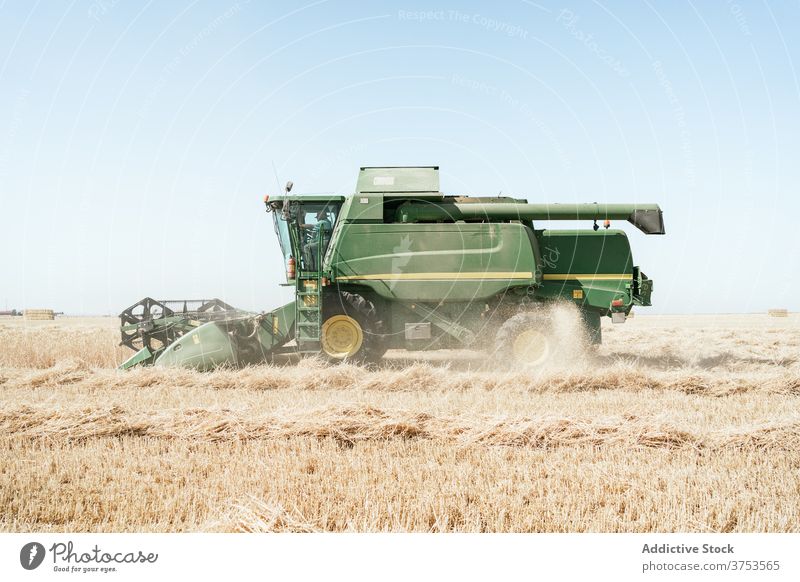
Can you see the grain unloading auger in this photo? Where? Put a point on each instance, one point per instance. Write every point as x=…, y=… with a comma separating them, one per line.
x=399, y=265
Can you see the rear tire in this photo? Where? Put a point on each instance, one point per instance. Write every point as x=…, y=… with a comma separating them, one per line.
x=526, y=338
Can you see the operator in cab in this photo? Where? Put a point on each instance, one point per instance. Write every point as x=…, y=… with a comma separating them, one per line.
x=316, y=232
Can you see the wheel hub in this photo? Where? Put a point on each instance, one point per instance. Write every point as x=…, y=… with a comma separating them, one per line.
x=531, y=347
x=341, y=336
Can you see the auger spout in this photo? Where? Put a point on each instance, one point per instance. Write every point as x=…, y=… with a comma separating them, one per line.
x=646, y=217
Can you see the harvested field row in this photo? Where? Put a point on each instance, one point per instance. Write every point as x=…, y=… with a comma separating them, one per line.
x=349, y=425
x=309, y=484
x=317, y=375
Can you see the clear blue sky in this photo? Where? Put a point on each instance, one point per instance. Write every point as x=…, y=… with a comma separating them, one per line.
x=137, y=139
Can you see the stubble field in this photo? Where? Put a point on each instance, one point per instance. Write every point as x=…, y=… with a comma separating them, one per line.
x=674, y=424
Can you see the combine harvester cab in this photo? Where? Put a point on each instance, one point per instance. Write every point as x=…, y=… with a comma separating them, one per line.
x=399, y=265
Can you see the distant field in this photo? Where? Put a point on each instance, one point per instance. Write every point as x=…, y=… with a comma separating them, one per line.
x=676, y=423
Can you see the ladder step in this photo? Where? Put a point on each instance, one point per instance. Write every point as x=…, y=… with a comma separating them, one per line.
x=308, y=312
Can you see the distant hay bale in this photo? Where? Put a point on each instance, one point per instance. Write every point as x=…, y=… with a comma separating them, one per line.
x=778, y=312
x=40, y=314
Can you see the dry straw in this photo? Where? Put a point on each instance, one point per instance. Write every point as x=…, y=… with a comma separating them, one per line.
x=674, y=424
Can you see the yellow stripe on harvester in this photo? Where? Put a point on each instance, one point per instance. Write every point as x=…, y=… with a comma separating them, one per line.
x=595, y=277
x=438, y=276
x=484, y=275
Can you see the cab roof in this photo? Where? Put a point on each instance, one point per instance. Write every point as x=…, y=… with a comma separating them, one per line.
x=306, y=198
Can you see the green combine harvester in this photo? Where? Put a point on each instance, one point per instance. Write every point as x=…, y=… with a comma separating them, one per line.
x=399, y=265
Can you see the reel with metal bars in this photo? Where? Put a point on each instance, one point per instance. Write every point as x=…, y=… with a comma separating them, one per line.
x=154, y=324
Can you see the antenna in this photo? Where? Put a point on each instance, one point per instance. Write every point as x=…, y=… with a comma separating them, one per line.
x=277, y=180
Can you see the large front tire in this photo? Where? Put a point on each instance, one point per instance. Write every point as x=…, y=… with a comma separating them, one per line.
x=351, y=330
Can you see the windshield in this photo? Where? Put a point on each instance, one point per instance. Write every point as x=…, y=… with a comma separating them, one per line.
x=282, y=230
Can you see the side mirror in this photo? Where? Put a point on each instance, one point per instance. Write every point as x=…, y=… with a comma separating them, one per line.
x=289, y=185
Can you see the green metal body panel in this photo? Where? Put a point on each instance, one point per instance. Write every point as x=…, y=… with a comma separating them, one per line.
x=434, y=262
x=575, y=252
x=277, y=327
x=592, y=268
x=204, y=348
x=363, y=208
